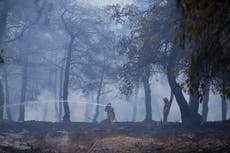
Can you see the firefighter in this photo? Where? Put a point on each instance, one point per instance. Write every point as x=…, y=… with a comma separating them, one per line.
x=166, y=109
x=110, y=112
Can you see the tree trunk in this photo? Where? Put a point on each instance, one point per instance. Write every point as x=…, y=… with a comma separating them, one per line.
x=9, y=117
x=188, y=117
x=23, y=88
x=60, y=96
x=171, y=99
x=194, y=97
x=3, y=20
x=87, y=109
x=148, y=107
x=98, y=102
x=179, y=98
x=224, y=108
x=1, y=101
x=134, y=115
x=205, y=103
x=55, y=96
x=194, y=101
x=99, y=96
x=66, y=117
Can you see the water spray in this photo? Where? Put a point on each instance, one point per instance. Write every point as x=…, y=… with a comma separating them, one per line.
x=50, y=102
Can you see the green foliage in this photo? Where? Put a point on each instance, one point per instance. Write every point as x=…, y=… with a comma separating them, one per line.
x=206, y=30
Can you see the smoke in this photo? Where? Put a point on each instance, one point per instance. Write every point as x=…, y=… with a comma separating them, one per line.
x=41, y=110
x=44, y=109
x=101, y=3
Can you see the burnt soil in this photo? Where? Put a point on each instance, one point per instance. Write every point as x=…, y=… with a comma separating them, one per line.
x=121, y=137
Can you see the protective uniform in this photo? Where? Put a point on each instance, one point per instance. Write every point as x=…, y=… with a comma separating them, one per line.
x=110, y=112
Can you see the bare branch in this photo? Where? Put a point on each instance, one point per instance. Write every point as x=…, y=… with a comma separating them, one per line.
x=18, y=36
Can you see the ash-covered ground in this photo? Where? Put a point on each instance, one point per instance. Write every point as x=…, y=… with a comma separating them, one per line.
x=125, y=137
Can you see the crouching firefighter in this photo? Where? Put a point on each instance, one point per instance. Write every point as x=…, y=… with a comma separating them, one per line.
x=110, y=112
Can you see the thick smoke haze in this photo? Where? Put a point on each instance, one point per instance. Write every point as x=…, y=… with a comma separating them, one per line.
x=44, y=47
x=127, y=76
x=123, y=107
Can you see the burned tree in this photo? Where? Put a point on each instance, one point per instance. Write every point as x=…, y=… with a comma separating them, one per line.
x=3, y=21
x=156, y=49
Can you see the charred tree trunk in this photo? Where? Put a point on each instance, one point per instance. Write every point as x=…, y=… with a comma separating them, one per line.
x=205, y=103
x=1, y=101
x=55, y=95
x=86, y=113
x=188, y=117
x=99, y=96
x=8, y=113
x=148, y=107
x=3, y=20
x=98, y=102
x=194, y=96
x=171, y=99
x=223, y=108
x=66, y=117
x=179, y=98
x=134, y=115
x=60, y=96
x=194, y=101
x=23, y=88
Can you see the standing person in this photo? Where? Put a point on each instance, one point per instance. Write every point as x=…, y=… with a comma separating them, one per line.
x=166, y=109
x=110, y=112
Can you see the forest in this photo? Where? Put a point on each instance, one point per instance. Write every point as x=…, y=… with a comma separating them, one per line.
x=108, y=76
